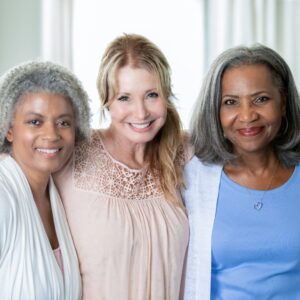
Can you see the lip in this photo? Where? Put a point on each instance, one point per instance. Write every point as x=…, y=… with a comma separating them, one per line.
x=48, y=152
x=250, y=131
x=141, y=126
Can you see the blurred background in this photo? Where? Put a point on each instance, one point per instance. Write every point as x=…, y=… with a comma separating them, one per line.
x=191, y=33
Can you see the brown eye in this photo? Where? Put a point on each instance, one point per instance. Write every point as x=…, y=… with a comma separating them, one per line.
x=229, y=102
x=64, y=124
x=262, y=99
x=34, y=122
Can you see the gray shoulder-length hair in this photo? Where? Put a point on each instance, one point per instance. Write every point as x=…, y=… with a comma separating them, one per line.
x=206, y=130
x=35, y=77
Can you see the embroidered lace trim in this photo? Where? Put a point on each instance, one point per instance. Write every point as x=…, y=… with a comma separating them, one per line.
x=95, y=170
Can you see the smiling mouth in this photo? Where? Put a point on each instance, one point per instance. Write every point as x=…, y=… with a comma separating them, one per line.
x=251, y=131
x=48, y=151
x=141, y=125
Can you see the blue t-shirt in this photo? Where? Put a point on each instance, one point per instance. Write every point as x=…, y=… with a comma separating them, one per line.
x=256, y=253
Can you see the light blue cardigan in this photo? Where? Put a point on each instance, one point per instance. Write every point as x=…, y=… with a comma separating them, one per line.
x=200, y=197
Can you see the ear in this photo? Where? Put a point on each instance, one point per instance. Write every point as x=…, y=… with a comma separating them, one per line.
x=9, y=135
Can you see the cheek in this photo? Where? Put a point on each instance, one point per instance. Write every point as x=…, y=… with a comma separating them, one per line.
x=70, y=136
x=161, y=110
x=163, y=115
x=224, y=119
x=71, y=140
x=22, y=137
x=117, y=113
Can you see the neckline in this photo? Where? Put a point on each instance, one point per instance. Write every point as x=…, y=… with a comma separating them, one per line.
x=141, y=170
x=258, y=192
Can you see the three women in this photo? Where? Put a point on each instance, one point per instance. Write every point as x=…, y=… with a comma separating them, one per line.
x=120, y=188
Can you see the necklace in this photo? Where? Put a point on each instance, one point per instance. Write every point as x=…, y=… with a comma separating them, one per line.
x=259, y=204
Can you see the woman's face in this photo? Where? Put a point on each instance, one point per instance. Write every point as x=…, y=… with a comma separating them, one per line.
x=138, y=111
x=42, y=135
x=252, y=108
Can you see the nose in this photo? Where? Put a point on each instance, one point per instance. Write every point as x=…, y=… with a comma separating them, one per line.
x=141, y=110
x=247, y=113
x=51, y=132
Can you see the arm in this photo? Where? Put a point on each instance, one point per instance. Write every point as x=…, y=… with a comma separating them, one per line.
x=6, y=217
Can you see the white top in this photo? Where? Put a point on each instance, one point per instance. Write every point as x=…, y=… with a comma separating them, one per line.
x=200, y=197
x=28, y=268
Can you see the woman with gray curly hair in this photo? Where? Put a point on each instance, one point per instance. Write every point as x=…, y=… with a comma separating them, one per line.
x=43, y=112
x=243, y=193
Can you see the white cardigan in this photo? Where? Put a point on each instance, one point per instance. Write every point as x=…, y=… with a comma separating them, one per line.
x=28, y=267
x=200, y=197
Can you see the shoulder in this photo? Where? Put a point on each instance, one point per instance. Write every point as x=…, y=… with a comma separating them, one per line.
x=195, y=163
x=8, y=213
x=195, y=168
x=3, y=156
x=90, y=157
x=6, y=200
x=94, y=142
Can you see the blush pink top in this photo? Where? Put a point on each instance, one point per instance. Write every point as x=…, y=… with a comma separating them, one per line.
x=58, y=256
x=131, y=242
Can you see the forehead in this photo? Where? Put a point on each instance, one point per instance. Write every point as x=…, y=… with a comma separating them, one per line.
x=256, y=75
x=134, y=78
x=43, y=102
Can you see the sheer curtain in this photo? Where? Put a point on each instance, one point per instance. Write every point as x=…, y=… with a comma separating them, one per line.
x=191, y=33
x=57, y=28
x=274, y=23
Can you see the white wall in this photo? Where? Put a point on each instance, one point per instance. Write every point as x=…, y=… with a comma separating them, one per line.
x=175, y=26
x=20, y=32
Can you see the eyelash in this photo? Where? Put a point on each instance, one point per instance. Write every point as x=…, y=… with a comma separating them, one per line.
x=262, y=99
x=64, y=124
x=36, y=123
x=123, y=98
x=229, y=102
x=150, y=95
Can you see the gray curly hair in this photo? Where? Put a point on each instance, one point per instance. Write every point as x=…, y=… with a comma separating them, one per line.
x=34, y=77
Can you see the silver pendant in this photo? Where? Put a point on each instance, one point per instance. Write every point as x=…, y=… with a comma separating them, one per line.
x=258, y=205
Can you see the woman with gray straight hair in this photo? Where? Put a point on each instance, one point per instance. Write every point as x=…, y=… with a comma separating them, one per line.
x=242, y=186
x=43, y=112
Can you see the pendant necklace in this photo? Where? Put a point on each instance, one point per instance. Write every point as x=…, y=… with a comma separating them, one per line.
x=259, y=204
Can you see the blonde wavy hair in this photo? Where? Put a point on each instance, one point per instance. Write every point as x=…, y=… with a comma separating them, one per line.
x=165, y=150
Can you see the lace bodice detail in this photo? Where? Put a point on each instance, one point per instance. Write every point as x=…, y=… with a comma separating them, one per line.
x=121, y=221
x=95, y=170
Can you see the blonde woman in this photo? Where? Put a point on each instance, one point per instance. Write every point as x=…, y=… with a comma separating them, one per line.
x=120, y=190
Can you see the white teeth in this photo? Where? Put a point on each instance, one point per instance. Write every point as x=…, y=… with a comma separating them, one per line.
x=144, y=125
x=48, y=151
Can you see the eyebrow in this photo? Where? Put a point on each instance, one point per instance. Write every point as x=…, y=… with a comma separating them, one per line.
x=128, y=93
x=42, y=116
x=254, y=94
